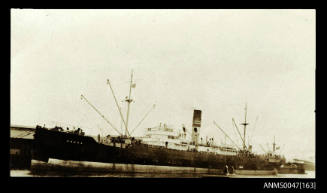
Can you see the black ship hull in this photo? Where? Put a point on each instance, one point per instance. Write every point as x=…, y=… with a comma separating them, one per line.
x=68, y=146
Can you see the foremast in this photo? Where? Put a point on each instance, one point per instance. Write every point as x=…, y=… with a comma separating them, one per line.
x=129, y=100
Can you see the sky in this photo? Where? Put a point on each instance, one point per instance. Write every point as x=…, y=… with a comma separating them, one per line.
x=213, y=60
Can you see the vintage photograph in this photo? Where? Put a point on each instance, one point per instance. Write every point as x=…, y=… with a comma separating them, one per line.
x=162, y=93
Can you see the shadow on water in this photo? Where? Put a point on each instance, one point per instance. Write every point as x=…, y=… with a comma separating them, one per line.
x=87, y=169
x=55, y=170
x=54, y=173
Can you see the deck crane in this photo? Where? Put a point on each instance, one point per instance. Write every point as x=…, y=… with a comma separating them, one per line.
x=143, y=118
x=88, y=102
x=238, y=131
x=214, y=122
x=119, y=109
x=128, y=100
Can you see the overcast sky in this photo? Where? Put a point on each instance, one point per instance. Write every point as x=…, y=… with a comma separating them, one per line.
x=212, y=60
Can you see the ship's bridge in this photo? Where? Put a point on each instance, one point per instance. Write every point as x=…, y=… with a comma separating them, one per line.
x=162, y=131
x=166, y=136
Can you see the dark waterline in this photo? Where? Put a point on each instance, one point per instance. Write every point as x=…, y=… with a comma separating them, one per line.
x=29, y=173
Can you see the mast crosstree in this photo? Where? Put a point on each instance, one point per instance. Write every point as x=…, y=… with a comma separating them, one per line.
x=128, y=100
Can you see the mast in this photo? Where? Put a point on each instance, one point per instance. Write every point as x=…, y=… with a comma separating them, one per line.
x=244, y=124
x=129, y=100
x=121, y=121
x=274, y=145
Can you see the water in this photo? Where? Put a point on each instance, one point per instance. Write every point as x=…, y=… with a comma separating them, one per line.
x=71, y=168
x=308, y=174
x=29, y=173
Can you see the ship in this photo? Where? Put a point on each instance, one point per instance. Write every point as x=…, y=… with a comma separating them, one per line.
x=161, y=145
x=290, y=167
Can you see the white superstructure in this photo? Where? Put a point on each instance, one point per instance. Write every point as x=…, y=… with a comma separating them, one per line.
x=168, y=137
x=165, y=136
